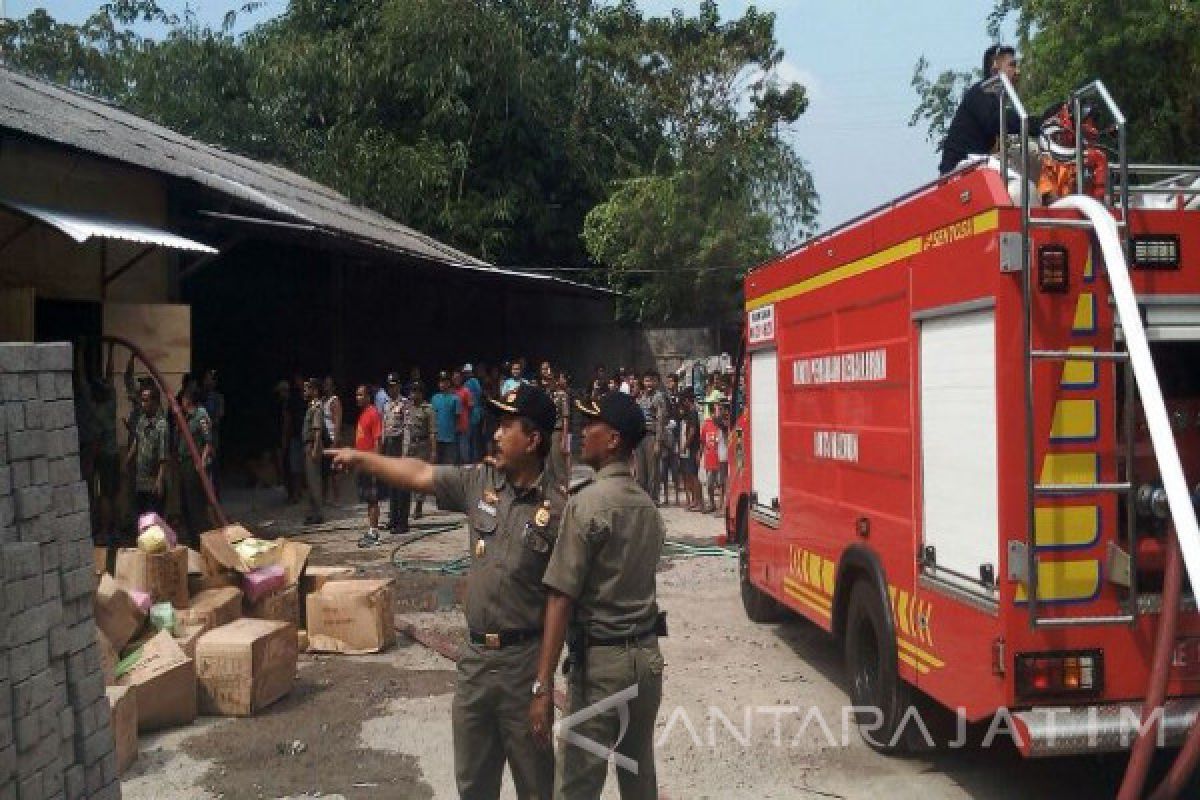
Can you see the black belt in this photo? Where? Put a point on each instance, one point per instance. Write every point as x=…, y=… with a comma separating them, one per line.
x=601, y=641
x=494, y=641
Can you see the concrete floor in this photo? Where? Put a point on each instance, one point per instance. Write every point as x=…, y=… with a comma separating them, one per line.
x=717, y=732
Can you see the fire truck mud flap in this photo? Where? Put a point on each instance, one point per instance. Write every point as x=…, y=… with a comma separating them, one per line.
x=1079, y=730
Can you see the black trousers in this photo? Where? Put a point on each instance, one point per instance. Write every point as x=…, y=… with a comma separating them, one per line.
x=399, y=500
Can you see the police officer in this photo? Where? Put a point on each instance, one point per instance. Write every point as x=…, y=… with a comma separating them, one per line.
x=653, y=405
x=601, y=579
x=513, y=511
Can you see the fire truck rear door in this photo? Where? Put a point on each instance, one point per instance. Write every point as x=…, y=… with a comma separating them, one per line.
x=764, y=429
x=958, y=441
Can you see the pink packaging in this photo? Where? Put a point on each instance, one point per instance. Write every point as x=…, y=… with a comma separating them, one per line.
x=151, y=518
x=261, y=582
x=142, y=600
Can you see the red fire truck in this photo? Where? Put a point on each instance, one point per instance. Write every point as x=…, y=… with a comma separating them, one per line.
x=950, y=455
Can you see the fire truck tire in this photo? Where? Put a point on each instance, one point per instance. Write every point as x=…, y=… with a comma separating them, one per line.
x=871, y=667
x=760, y=606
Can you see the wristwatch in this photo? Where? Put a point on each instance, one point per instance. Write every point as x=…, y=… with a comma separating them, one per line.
x=540, y=688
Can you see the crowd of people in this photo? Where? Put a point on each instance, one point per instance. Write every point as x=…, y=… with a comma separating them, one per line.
x=682, y=461
x=156, y=471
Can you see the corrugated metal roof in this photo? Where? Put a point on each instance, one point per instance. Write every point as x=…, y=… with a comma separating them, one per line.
x=54, y=113
x=82, y=227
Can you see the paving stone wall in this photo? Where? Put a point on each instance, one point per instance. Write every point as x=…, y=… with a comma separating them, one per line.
x=55, y=738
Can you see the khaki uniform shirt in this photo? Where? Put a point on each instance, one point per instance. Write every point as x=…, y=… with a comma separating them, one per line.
x=419, y=427
x=607, y=554
x=151, y=443
x=512, y=533
x=562, y=410
x=314, y=426
x=654, y=408
x=395, y=414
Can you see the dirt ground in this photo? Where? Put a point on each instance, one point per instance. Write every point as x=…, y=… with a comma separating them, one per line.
x=379, y=726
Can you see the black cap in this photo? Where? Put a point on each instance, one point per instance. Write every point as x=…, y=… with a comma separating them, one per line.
x=393, y=377
x=619, y=411
x=530, y=402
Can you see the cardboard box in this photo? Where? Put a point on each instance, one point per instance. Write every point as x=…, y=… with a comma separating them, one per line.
x=165, y=680
x=283, y=605
x=293, y=557
x=351, y=617
x=117, y=614
x=213, y=580
x=217, y=549
x=315, y=577
x=187, y=636
x=100, y=560
x=163, y=576
x=108, y=658
x=212, y=608
x=196, y=563
x=245, y=666
x=122, y=701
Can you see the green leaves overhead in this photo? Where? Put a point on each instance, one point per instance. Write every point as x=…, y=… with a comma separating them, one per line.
x=725, y=188
x=533, y=133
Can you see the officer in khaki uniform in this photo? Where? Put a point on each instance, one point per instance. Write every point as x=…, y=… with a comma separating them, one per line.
x=601, y=579
x=513, y=510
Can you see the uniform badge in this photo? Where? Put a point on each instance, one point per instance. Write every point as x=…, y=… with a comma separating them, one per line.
x=480, y=548
x=542, y=517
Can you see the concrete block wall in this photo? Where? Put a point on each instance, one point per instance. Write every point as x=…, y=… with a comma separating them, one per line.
x=55, y=737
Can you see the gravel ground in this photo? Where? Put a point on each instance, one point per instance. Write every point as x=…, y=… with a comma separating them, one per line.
x=383, y=722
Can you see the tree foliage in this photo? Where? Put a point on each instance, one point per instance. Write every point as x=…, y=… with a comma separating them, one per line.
x=725, y=188
x=571, y=133
x=1147, y=52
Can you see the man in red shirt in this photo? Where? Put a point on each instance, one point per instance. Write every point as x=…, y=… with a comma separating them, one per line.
x=368, y=436
x=463, y=426
x=710, y=442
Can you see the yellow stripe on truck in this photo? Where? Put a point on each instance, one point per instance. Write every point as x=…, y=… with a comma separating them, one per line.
x=1074, y=420
x=1066, y=526
x=1065, y=580
x=939, y=237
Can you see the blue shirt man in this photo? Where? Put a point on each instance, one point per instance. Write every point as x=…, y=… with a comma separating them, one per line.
x=475, y=444
x=381, y=395
x=446, y=408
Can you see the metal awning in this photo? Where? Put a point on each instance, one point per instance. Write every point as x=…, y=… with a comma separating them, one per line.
x=82, y=227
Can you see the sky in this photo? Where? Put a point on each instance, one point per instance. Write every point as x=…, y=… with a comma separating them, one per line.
x=855, y=57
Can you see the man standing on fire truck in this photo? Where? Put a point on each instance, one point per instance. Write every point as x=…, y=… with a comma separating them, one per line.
x=601, y=581
x=976, y=123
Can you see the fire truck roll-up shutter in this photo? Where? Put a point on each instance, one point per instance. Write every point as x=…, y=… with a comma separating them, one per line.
x=764, y=430
x=958, y=447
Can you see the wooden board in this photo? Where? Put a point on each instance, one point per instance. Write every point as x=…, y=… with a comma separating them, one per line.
x=163, y=331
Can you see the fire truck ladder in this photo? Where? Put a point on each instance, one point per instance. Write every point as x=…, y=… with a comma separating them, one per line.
x=1111, y=235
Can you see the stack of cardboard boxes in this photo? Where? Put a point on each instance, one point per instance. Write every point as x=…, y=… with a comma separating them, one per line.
x=242, y=611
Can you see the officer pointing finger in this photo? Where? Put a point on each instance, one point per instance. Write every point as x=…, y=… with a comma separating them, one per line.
x=513, y=509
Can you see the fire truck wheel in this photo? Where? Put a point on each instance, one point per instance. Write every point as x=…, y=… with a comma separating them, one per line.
x=871, y=665
x=760, y=606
